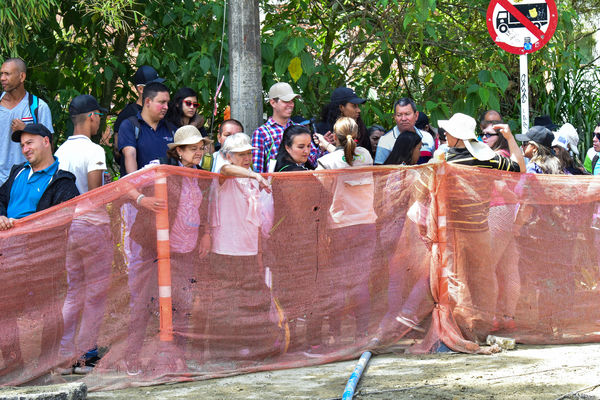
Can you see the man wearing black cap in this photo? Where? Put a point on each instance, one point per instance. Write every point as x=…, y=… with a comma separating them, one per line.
x=88, y=261
x=78, y=154
x=144, y=76
x=36, y=184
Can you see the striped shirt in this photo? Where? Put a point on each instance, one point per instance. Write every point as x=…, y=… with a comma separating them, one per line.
x=469, y=195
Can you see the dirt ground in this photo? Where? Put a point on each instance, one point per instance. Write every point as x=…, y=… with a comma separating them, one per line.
x=528, y=372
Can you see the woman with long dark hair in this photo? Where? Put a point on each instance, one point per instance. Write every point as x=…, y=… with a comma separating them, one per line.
x=406, y=151
x=183, y=110
x=295, y=201
x=344, y=103
x=294, y=150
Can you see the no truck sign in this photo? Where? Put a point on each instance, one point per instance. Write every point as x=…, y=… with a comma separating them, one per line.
x=521, y=26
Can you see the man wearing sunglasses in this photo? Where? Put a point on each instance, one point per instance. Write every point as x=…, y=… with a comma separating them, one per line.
x=591, y=163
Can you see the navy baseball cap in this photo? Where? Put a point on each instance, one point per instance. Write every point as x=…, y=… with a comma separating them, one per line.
x=34, y=129
x=344, y=95
x=145, y=75
x=85, y=103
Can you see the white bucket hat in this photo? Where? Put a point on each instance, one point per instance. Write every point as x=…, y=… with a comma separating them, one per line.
x=462, y=126
x=237, y=143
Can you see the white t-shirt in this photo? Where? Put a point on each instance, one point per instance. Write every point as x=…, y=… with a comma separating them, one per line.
x=79, y=155
x=235, y=217
x=218, y=161
x=353, y=191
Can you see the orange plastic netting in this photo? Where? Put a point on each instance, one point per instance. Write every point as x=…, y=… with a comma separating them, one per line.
x=310, y=274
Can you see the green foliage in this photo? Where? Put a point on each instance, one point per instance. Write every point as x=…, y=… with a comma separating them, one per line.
x=437, y=51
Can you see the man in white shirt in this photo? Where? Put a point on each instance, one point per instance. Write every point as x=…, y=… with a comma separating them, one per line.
x=405, y=115
x=228, y=127
x=89, y=248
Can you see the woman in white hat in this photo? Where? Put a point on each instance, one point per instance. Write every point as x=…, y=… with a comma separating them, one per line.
x=239, y=212
x=188, y=237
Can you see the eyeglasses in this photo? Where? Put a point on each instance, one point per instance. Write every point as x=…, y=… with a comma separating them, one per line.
x=97, y=113
x=489, y=135
x=191, y=104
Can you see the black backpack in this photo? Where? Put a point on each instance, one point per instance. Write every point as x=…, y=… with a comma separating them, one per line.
x=33, y=107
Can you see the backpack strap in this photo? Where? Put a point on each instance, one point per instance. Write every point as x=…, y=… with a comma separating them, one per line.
x=594, y=162
x=136, y=127
x=33, y=107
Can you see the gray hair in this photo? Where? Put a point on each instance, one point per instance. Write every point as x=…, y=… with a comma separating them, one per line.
x=234, y=142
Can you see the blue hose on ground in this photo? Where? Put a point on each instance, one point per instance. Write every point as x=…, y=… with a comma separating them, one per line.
x=356, y=374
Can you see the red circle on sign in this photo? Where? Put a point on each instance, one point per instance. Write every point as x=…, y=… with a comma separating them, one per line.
x=515, y=20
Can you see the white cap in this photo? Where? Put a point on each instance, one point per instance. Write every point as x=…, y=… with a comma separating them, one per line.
x=567, y=138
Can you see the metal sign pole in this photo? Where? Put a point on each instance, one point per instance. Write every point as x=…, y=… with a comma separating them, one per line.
x=524, y=83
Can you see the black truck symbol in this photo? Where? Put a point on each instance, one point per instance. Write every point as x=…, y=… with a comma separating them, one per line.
x=535, y=12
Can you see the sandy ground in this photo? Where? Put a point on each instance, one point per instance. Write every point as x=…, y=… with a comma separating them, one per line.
x=529, y=372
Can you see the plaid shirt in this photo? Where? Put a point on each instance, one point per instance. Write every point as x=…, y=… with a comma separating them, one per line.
x=267, y=138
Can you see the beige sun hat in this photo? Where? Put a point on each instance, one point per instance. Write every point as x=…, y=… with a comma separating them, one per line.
x=188, y=134
x=462, y=126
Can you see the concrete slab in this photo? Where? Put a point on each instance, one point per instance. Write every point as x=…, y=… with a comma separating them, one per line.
x=529, y=372
x=66, y=391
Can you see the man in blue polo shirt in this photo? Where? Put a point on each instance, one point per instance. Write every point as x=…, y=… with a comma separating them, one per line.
x=37, y=184
x=144, y=137
x=31, y=187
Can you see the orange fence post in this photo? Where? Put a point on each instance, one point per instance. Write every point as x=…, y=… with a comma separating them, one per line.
x=164, y=262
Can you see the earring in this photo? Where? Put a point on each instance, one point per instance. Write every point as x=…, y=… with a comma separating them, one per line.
x=180, y=156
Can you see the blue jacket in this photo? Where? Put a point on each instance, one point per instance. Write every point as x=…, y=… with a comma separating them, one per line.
x=60, y=189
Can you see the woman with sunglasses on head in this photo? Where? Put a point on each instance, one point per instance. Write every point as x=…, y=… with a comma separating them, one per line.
x=500, y=222
x=183, y=110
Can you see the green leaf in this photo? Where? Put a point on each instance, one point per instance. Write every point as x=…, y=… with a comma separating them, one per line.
x=281, y=64
x=308, y=63
x=484, y=76
x=279, y=37
x=268, y=54
x=205, y=64
x=501, y=80
x=484, y=95
x=295, y=45
x=493, y=101
x=173, y=67
x=108, y=73
x=473, y=88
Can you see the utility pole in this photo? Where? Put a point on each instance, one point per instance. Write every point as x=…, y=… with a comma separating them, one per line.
x=245, y=63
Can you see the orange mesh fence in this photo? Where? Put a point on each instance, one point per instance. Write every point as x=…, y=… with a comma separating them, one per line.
x=228, y=280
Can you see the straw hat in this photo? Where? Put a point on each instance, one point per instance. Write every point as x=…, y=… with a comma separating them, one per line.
x=188, y=134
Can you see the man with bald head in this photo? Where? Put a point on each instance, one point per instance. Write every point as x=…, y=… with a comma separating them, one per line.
x=17, y=108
